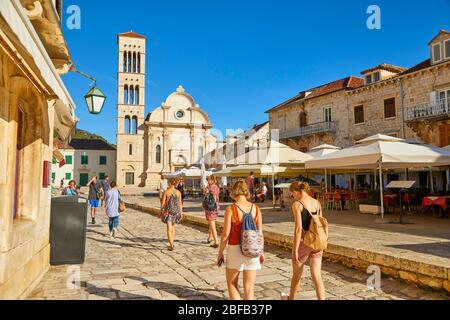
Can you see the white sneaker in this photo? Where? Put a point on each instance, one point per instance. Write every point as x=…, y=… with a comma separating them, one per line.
x=284, y=296
x=110, y=234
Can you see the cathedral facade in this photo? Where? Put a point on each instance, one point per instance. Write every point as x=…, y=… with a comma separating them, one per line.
x=173, y=136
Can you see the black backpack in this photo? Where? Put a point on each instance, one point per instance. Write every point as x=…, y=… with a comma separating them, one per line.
x=209, y=202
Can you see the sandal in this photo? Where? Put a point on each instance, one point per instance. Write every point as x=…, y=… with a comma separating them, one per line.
x=214, y=246
x=170, y=248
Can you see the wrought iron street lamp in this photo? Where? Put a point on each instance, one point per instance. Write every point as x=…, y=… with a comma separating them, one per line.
x=95, y=98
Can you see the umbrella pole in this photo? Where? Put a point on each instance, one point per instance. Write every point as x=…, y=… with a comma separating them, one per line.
x=326, y=181
x=431, y=180
x=273, y=188
x=381, y=190
x=447, y=184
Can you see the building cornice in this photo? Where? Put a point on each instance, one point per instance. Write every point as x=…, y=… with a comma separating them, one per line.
x=178, y=125
x=398, y=78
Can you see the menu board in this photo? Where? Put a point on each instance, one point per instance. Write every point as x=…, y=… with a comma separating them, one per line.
x=400, y=184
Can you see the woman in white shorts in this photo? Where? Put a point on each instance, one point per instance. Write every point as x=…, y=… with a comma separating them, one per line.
x=236, y=262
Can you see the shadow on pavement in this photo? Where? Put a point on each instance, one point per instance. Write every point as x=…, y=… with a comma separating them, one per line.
x=178, y=290
x=106, y=292
x=440, y=249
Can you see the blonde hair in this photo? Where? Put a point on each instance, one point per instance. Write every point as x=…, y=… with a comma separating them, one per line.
x=299, y=186
x=213, y=179
x=240, y=188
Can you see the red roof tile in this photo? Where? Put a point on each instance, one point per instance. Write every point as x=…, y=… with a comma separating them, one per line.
x=342, y=84
x=346, y=83
x=423, y=65
x=132, y=34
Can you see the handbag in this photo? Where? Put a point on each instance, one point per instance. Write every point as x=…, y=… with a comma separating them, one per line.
x=122, y=207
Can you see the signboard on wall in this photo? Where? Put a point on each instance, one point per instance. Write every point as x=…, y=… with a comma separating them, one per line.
x=47, y=174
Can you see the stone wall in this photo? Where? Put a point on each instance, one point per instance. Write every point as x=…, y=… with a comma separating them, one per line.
x=24, y=238
x=417, y=88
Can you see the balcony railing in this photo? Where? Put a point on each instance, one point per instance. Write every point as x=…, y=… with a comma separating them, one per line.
x=436, y=109
x=315, y=128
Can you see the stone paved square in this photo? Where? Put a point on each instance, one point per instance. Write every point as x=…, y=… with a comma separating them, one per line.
x=136, y=265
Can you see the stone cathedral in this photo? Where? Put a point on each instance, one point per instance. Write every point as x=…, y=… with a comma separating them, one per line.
x=175, y=135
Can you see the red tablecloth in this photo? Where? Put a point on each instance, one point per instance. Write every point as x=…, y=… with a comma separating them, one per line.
x=435, y=201
x=389, y=199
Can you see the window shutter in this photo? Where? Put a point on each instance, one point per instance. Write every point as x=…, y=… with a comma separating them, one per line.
x=433, y=97
x=444, y=133
x=447, y=135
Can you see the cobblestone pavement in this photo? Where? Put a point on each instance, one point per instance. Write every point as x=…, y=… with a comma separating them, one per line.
x=136, y=265
x=426, y=241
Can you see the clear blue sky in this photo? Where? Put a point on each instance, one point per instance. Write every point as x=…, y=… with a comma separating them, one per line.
x=240, y=58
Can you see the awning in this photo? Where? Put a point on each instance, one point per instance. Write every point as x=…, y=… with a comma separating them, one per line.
x=64, y=120
x=17, y=20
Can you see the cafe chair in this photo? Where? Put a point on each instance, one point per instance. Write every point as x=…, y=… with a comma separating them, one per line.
x=335, y=201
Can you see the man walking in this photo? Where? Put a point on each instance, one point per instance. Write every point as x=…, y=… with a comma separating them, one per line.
x=163, y=185
x=95, y=192
x=105, y=188
x=251, y=184
x=112, y=199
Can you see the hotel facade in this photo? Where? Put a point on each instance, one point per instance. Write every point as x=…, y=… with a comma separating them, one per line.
x=411, y=103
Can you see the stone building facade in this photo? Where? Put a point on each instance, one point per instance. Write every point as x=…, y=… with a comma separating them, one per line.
x=235, y=145
x=411, y=103
x=315, y=116
x=173, y=136
x=33, y=103
x=83, y=159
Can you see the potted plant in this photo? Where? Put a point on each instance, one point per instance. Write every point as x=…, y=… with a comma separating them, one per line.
x=371, y=205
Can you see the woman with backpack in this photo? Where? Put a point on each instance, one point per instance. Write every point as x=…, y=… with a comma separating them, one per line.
x=171, y=211
x=311, y=231
x=211, y=206
x=244, y=254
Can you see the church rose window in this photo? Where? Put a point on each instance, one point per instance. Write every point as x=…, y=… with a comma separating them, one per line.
x=179, y=114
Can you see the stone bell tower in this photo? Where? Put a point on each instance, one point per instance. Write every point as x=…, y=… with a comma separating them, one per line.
x=131, y=109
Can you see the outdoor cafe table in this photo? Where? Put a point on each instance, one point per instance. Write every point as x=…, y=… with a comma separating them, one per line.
x=439, y=201
x=392, y=199
x=389, y=199
x=346, y=195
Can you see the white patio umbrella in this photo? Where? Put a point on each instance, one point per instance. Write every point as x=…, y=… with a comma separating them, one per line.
x=321, y=151
x=204, y=182
x=224, y=179
x=382, y=152
x=270, y=160
x=276, y=153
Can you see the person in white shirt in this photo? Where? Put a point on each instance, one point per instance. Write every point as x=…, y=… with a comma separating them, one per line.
x=163, y=185
x=263, y=192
